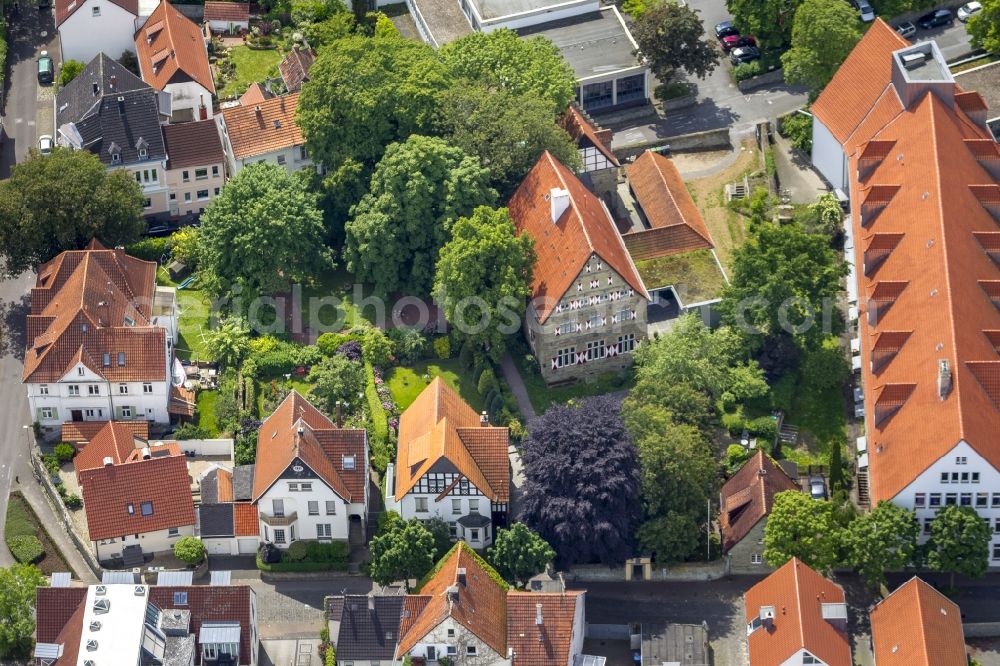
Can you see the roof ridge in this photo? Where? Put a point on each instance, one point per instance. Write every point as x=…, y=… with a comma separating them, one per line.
x=658, y=164
x=798, y=601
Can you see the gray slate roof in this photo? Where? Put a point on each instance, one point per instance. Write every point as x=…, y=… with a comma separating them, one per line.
x=210, y=487
x=216, y=520
x=366, y=634
x=243, y=482
x=112, y=109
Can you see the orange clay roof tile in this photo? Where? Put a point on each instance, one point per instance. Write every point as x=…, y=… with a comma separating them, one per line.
x=272, y=127
x=918, y=626
x=171, y=49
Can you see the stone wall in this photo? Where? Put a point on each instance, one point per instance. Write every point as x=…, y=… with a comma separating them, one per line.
x=981, y=629
x=689, y=572
x=740, y=560
x=696, y=141
x=768, y=79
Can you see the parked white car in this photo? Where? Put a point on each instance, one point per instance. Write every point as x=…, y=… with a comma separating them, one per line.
x=966, y=11
x=45, y=144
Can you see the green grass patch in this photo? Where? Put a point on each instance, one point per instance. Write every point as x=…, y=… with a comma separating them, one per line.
x=331, y=301
x=21, y=523
x=206, y=415
x=972, y=64
x=543, y=396
x=695, y=276
x=252, y=65
x=195, y=307
x=407, y=383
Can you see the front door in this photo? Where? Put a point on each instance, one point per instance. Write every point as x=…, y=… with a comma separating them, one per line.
x=431, y=653
x=76, y=414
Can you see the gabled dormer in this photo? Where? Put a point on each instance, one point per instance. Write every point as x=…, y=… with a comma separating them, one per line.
x=992, y=290
x=871, y=156
x=878, y=249
x=990, y=242
x=875, y=200
x=882, y=298
x=890, y=398
x=987, y=153
x=989, y=197
x=887, y=345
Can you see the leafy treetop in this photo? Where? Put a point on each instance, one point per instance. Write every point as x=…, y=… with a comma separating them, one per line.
x=823, y=35
x=672, y=37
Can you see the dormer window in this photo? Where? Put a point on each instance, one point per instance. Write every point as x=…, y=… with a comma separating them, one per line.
x=95, y=11
x=348, y=462
x=129, y=321
x=146, y=508
x=143, y=153
x=80, y=371
x=106, y=360
x=116, y=158
x=121, y=359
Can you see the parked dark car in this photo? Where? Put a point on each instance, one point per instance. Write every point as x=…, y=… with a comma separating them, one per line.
x=744, y=54
x=734, y=41
x=936, y=19
x=45, y=68
x=725, y=29
x=160, y=229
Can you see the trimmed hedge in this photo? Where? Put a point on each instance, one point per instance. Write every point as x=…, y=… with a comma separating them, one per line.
x=26, y=549
x=150, y=249
x=319, y=556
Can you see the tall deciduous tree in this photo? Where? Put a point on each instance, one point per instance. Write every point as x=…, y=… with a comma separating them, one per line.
x=770, y=21
x=419, y=188
x=883, y=540
x=365, y=93
x=60, y=202
x=801, y=527
x=518, y=554
x=960, y=543
x=403, y=551
x=263, y=233
x=529, y=67
x=673, y=37
x=582, y=482
x=506, y=130
x=823, y=35
x=337, y=378
x=484, y=277
x=984, y=27
x=17, y=608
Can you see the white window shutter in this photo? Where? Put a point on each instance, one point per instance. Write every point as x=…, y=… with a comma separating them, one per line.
x=579, y=327
x=633, y=314
x=604, y=321
x=555, y=364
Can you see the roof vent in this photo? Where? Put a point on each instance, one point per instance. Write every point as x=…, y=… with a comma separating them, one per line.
x=371, y=603
x=145, y=453
x=95, y=625
x=302, y=430
x=277, y=124
x=914, y=59
x=257, y=108
x=91, y=645
x=97, y=90
x=139, y=590
x=944, y=378
x=108, y=462
x=944, y=611
x=461, y=575
x=484, y=419
x=89, y=662
x=102, y=605
x=558, y=203
x=453, y=593
x=121, y=106
x=100, y=590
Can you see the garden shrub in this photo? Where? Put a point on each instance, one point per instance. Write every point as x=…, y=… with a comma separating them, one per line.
x=329, y=343
x=72, y=501
x=26, y=549
x=297, y=551
x=763, y=427
x=191, y=431
x=65, y=451
x=409, y=344
x=51, y=463
x=350, y=350
x=797, y=128
x=466, y=355
x=674, y=90
x=150, y=249
x=319, y=556
x=377, y=347
x=747, y=70
x=442, y=347
x=732, y=422
x=487, y=382
x=189, y=549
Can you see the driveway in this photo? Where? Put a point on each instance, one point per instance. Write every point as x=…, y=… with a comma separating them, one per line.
x=953, y=41
x=28, y=109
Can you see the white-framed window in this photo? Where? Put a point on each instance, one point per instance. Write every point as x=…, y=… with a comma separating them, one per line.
x=43, y=389
x=809, y=659
x=173, y=531
x=755, y=558
x=147, y=388
x=185, y=177
x=965, y=477
x=123, y=389
x=944, y=477
x=623, y=315
x=277, y=509
x=331, y=508
x=950, y=499
x=421, y=504
x=89, y=413
x=146, y=508
x=474, y=534
x=127, y=412
x=348, y=462
x=927, y=525
x=281, y=160
x=202, y=195
x=934, y=499
x=93, y=389
x=982, y=500
x=965, y=499
x=215, y=170
x=996, y=551
x=920, y=499
x=470, y=650
x=975, y=477
x=143, y=154
x=474, y=506
x=451, y=632
x=456, y=507
x=313, y=508
x=626, y=343
x=954, y=477
x=95, y=11
x=306, y=487
x=48, y=413
x=324, y=531
x=293, y=487
x=596, y=349
x=187, y=197
x=566, y=327
x=202, y=174
x=595, y=322
x=566, y=357
x=961, y=460
x=279, y=536
x=74, y=389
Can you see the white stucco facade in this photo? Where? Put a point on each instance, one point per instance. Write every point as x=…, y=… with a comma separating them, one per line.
x=151, y=542
x=799, y=659
x=305, y=507
x=98, y=25
x=192, y=189
x=828, y=156
x=451, y=639
x=188, y=100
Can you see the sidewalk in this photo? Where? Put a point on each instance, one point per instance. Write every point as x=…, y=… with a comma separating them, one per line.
x=57, y=531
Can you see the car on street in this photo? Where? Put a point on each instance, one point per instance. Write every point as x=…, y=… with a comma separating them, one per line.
x=936, y=19
x=906, y=29
x=160, y=229
x=744, y=54
x=734, y=41
x=45, y=70
x=45, y=144
x=865, y=8
x=817, y=489
x=859, y=394
x=966, y=11
x=726, y=29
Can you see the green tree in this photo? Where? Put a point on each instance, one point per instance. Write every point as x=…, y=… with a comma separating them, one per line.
x=484, y=277
x=783, y=279
x=801, y=527
x=518, y=553
x=671, y=537
x=404, y=551
x=770, y=21
x=527, y=67
x=825, y=367
x=185, y=246
x=189, y=549
x=823, y=35
x=984, y=27
x=673, y=37
x=798, y=128
x=828, y=216
x=60, y=202
x=506, y=130
x=326, y=32
x=229, y=342
x=441, y=532
x=959, y=543
x=883, y=540
x=17, y=608
x=69, y=70
x=263, y=233
x=376, y=347
x=365, y=93
x=419, y=188
x=336, y=378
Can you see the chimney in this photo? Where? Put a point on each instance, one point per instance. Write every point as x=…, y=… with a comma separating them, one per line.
x=202, y=109
x=944, y=378
x=461, y=576
x=453, y=594
x=108, y=461
x=559, y=202
x=371, y=603
x=113, y=81
x=538, y=615
x=145, y=453
x=484, y=419
x=302, y=430
x=121, y=106
x=97, y=90
x=257, y=109
x=340, y=417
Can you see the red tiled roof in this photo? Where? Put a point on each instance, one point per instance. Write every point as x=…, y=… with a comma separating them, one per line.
x=107, y=492
x=246, y=519
x=918, y=626
x=193, y=144
x=116, y=440
x=54, y=607
x=748, y=496
x=267, y=126
x=585, y=134
x=676, y=225
x=255, y=94
x=171, y=49
x=440, y=425
x=549, y=643
x=480, y=607
x=846, y=100
x=224, y=485
x=77, y=432
x=796, y=594
x=563, y=247
x=80, y=305
x=66, y=8
x=321, y=446
x=182, y=401
x=295, y=67
x=236, y=12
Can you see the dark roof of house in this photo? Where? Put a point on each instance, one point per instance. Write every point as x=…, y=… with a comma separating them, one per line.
x=243, y=482
x=683, y=644
x=113, y=110
x=193, y=144
x=369, y=626
x=217, y=520
x=295, y=67
x=749, y=495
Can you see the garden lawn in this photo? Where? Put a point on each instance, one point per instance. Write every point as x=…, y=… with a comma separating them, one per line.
x=339, y=284
x=407, y=383
x=207, y=418
x=252, y=65
x=195, y=313
x=22, y=521
x=542, y=396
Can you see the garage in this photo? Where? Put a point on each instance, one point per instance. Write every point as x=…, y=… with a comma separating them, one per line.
x=248, y=546
x=219, y=546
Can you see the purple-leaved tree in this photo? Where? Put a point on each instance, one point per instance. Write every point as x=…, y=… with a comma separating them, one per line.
x=582, y=482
